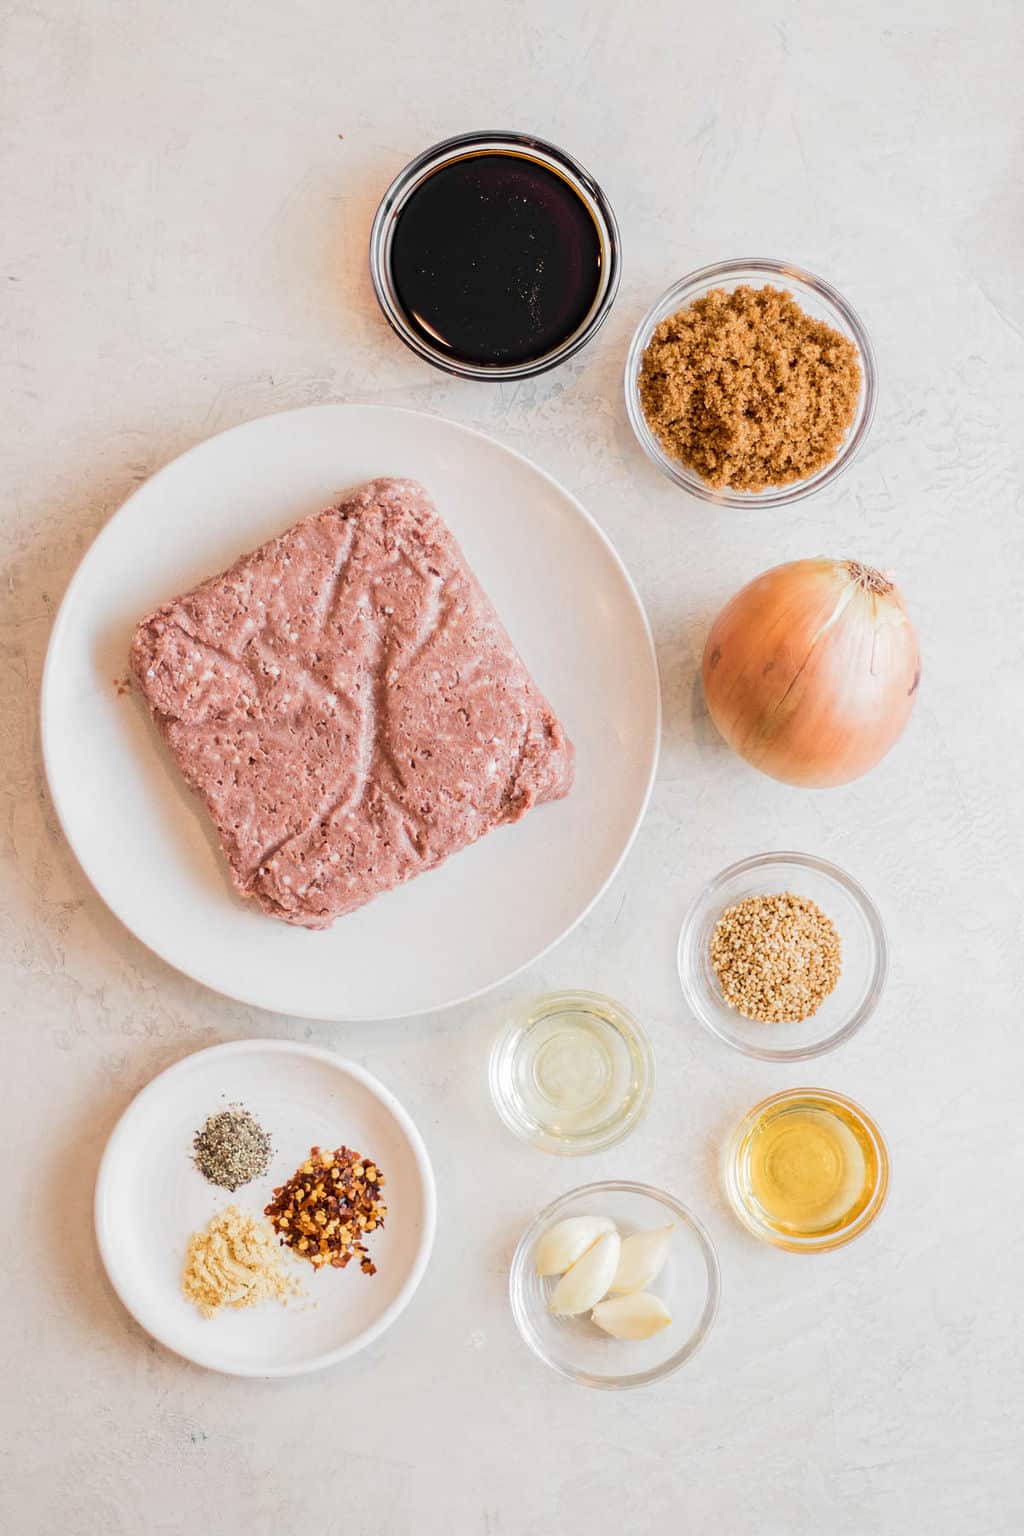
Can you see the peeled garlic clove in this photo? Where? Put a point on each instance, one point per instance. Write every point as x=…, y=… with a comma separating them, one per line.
x=582, y=1286
x=567, y=1241
x=642, y=1260
x=637, y=1316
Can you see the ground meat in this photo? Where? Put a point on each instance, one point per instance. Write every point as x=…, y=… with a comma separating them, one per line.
x=348, y=706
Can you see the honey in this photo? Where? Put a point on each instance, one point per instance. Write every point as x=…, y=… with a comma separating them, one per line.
x=808, y=1169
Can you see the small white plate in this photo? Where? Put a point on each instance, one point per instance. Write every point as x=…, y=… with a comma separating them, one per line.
x=145, y=842
x=150, y=1198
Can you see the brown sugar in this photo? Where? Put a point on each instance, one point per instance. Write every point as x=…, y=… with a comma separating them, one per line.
x=748, y=390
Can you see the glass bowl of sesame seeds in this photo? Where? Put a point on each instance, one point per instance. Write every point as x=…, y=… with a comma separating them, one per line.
x=783, y=956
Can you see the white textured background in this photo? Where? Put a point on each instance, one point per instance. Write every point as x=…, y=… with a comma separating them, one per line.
x=182, y=246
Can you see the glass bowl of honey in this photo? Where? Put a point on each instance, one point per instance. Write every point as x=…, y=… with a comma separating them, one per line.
x=807, y=1170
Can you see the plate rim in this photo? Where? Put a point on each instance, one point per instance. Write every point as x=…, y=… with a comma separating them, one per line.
x=239, y=994
x=379, y=1091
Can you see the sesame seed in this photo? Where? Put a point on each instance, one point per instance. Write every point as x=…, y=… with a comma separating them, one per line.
x=776, y=957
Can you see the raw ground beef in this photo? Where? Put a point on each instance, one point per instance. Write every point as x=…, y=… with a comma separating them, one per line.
x=348, y=706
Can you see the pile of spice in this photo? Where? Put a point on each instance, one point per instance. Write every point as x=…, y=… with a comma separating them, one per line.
x=235, y=1263
x=232, y=1148
x=776, y=957
x=327, y=1208
x=748, y=390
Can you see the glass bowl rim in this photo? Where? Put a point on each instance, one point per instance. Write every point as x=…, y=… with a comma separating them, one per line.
x=431, y=159
x=690, y=287
x=712, y=1297
x=861, y=900
x=641, y=1040
x=829, y=1240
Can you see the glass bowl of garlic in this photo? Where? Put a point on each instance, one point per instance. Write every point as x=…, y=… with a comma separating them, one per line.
x=614, y=1285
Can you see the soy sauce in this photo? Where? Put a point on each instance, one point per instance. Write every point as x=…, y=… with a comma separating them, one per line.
x=496, y=259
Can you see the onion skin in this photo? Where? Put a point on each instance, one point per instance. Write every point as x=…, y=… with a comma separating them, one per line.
x=811, y=671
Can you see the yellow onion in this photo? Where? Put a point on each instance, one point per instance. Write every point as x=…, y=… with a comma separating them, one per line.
x=811, y=671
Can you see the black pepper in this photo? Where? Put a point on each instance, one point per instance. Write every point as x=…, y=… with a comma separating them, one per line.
x=232, y=1148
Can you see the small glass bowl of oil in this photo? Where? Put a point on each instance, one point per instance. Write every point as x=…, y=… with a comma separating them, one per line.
x=807, y=1170
x=572, y=1072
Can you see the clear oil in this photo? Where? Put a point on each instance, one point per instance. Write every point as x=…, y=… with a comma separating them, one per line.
x=573, y=1073
x=806, y=1167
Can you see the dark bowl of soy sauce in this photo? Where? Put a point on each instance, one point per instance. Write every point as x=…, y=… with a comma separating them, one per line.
x=495, y=256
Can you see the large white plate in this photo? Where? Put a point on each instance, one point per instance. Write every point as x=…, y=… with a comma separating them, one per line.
x=150, y=1198
x=145, y=843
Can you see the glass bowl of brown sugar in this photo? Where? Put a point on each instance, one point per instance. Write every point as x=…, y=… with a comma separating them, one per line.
x=751, y=383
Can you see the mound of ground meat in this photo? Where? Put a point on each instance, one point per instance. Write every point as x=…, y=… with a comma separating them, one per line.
x=347, y=705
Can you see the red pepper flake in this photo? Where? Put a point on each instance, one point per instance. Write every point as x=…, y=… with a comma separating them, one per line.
x=327, y=1208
